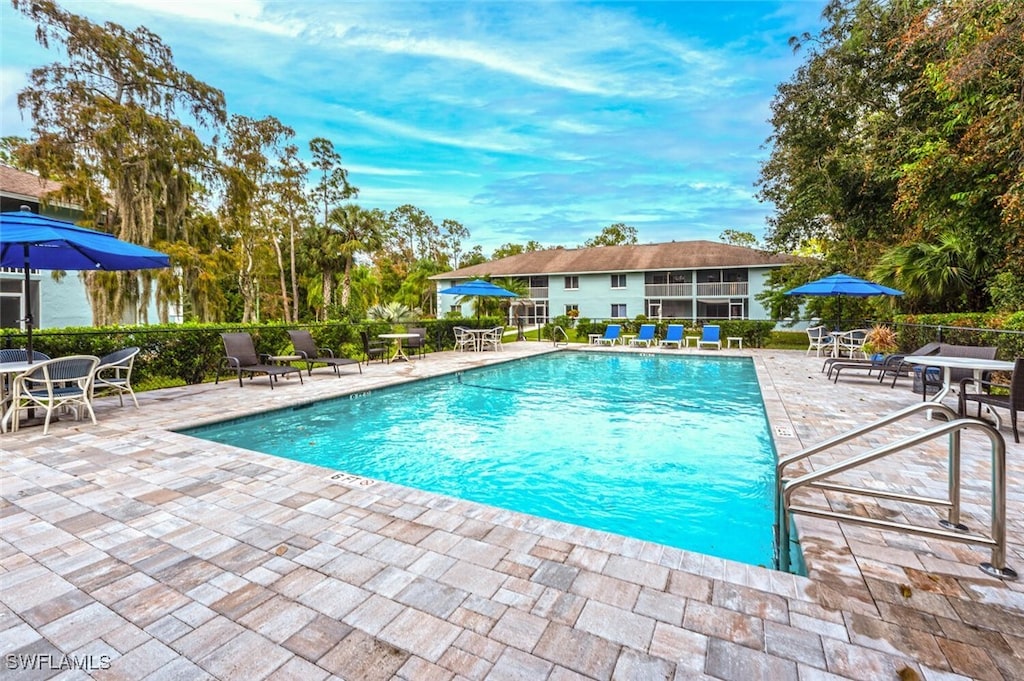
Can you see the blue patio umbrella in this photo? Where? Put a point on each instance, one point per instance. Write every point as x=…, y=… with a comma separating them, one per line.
x=479, y=287
x=840, y=285
x=31, y=241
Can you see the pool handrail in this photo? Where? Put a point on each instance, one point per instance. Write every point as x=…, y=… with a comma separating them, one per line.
x=953, y=530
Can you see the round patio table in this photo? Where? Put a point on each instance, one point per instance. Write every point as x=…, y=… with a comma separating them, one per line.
x=399, y=355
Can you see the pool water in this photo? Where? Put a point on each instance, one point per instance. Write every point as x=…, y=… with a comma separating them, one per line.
x=674, y=450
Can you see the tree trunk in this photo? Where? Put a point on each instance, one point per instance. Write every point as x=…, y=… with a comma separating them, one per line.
x=285, y=304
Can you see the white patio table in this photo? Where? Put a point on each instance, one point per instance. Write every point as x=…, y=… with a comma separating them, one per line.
x=399, y=355
x=977, y=366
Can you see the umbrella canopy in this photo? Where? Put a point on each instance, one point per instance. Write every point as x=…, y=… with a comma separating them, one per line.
x=478, y=287
x=843, y=285
x=840, y=285
x=32, y=241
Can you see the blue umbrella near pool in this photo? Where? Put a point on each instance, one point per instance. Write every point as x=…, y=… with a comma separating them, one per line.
x=31, y=241
x=479, y=287
x=840, y=285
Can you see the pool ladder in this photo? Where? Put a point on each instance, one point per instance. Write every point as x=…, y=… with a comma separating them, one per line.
x=554, y=336
x=951, y=528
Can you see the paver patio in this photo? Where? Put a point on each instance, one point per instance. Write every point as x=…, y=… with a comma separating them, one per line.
x=139, y=553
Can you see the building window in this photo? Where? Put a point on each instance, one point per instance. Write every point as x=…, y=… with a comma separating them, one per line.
x=618, y=310
x=618, y=281
x=572, y=283
x=572, y=310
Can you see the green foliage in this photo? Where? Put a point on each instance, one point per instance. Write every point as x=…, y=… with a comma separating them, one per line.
x=614, y=235
x=965, y=329
x=754, y=333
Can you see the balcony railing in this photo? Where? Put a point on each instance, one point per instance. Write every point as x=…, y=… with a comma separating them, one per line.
x=723, y=289
x=716, y=289
x=539, y=292
x=668, y=290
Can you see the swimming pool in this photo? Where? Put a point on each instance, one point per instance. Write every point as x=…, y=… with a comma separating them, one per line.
x=674, y=450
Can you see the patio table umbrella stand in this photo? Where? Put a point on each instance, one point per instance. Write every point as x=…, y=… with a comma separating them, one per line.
x=31, y=241
x=840, y=285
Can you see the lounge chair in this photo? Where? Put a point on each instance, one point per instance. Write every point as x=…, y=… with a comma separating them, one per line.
x=373, y=349
x=645, y=337
x=305, y=348
x=901, y=368
x=819, y=338
x=417, y=346
x=50, y=385
x=114, y=373
x=673, y=336
x=611, y=335
x=240, y=356
x=710, y=334
x=883, y=364
x=1013, y=400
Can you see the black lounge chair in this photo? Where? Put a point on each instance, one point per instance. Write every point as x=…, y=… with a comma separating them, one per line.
x=305, y=348
x=241, y=357
x=1013, y=400
x=886, y=365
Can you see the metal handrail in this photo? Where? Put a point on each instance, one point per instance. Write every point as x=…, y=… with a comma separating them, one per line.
x=554, y=335
x=952, y=530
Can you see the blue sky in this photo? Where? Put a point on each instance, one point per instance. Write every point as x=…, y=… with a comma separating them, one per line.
x=521, y=120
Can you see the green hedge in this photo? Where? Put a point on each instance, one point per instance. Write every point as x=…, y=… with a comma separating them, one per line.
x=1005, y=331
x=187, y=354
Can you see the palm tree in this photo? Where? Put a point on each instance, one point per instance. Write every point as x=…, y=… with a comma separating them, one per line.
x=359, y=231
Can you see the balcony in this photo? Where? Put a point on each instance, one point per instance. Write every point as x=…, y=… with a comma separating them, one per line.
x=723, y=289
x=539, y=292
x=668, y=290
x=711, y=290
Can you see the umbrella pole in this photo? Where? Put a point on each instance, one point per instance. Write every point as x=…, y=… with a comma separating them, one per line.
x=28, y=306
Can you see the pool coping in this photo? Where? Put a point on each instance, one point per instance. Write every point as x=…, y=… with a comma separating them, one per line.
x=635, y=605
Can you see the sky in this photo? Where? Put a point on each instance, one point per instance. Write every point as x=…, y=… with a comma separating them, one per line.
x=522, y=120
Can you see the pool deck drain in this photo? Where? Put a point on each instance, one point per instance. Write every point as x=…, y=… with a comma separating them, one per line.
x=145, y=554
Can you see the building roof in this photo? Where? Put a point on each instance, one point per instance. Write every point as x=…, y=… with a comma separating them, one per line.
x=674, y=255
x=19, y=184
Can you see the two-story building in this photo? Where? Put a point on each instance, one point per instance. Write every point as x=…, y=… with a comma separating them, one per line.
x=693, y=280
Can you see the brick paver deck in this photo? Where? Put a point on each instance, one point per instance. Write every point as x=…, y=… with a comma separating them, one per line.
x=138, y=553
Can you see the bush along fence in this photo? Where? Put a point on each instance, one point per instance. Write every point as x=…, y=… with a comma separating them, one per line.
x=1004, y=331
x=187, y=354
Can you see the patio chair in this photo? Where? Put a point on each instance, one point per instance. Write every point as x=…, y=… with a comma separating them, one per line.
x=464, y=338
x=491, y=338
x=21, y=355
x=710, y=334
x=417, y=346
x=50, y=385
x=1012, y=400
x=852, y=343
x=673, y=336
x=114, y=373
x=305, y=347
x=373, y=348
x=611, y=335
x=645, y=337
x=240, y=356
x=819, y=338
